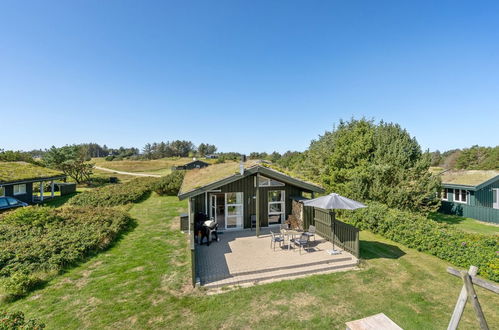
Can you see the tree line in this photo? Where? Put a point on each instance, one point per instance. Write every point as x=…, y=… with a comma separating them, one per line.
x=473, y=158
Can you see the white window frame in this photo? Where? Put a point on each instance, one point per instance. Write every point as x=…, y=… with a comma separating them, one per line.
x=282, y=202
x=445, y=193
x=227, y=216
x=496, y=192
x=19, y=191
x=268, y=182
x=459, y=200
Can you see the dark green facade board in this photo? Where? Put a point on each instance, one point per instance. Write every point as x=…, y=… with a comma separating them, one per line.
x=27, y=197
x=339, y=233
x=480, y=203
x=247, y=185
x=192, y=245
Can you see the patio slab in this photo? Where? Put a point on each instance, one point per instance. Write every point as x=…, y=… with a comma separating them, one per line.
x=240, y=258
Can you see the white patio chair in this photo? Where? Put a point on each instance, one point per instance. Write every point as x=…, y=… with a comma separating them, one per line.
x=311, y=231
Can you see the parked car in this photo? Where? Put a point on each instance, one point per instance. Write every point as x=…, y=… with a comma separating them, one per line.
x=8, y=202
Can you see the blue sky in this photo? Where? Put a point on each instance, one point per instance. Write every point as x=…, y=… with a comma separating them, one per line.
x=246, y=75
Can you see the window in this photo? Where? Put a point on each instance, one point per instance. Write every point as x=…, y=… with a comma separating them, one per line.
x=267, y=182
x=445, y=195
x=277, y=207
x=460, y=195
x=19, y=189
x=234, y=209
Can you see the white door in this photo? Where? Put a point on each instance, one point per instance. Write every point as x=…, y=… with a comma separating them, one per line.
x=213, y=207
x=234, y=212
x=495, y=198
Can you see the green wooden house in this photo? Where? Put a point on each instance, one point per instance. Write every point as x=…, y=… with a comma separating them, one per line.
x=233, y=194
x=473, y=194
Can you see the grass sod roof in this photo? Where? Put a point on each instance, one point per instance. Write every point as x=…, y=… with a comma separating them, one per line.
x=198, y=178
x=471, y=178
x=21, y=171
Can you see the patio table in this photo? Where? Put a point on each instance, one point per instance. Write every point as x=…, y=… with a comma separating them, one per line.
x=290, y=233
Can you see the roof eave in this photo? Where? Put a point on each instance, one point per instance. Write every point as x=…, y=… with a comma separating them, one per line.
x=55, y=177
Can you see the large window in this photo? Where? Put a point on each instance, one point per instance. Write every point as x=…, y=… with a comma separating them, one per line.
x=234, y=209
x=19, y=189
x=267, y=182
x=460, y=196
x=277, y=207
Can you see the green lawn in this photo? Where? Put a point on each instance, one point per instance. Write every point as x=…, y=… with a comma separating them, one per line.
x=466, y=224
x=143, y=282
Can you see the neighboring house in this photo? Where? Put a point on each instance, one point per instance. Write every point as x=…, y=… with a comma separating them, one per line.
x=17, y=178
x=228, y=193
x=212, y=156
x=196, y=163
x=472, y=193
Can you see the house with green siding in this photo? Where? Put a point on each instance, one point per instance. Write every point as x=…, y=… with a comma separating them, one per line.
x=238, y=196
x=473, y=194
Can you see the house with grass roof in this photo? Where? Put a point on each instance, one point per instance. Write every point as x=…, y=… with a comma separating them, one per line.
x=17, y=180
x=472, y=194
x=243, y=195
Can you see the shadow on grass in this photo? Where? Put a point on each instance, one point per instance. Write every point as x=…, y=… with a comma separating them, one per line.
x=446, y=218
x=59, y=200
x=376, y=250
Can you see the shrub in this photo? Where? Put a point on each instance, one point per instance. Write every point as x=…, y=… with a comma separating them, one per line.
x=114, y=195
x=170, y=185
x=46, y=247
x=416, y=231
x=16, y=320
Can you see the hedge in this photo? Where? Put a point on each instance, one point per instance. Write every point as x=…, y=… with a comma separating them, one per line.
x=170, y=185
x=416, y=231
x=117, y=194
x=37, y=242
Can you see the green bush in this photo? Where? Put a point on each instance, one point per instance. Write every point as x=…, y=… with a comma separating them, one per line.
x=46, y=246
x=114, y=195
x=20, y=284
x=16, y=320
x=170, y=185
x=416, y=231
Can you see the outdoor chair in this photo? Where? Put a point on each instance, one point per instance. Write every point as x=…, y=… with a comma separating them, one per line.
x=302, y=242
x=284, y=226
x=311, y=231
x=276, y=238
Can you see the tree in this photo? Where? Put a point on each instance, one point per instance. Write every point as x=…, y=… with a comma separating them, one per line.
x=206, y=149
x=367, y=161
x=71, y=160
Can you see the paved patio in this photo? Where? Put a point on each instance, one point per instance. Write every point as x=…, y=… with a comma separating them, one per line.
x=240, y=258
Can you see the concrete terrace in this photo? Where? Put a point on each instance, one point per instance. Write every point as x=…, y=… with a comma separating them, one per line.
x=242, y=259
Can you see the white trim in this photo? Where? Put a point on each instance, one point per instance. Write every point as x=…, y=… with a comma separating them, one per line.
x=446, y=194
x=282, y=202
x=19, y=192
x=496, y=192
x=238, y=217
x=459, y=200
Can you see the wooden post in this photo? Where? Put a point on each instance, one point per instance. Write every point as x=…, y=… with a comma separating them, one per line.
x=474, y=300
x=257, y=229
x=41, y=191
x=52, y=189
x=461, y=303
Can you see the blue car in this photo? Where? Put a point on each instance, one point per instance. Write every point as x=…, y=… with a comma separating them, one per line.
x=8, y=202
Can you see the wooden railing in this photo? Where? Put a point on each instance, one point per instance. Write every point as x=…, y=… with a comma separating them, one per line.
x=339, y=233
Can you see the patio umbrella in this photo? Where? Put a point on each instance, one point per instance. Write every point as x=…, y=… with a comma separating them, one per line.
x=334, y=201
x=331, y=202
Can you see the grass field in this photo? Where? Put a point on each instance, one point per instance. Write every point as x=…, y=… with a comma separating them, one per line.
x=466, y=224
x=156, y=166
x=143, y=282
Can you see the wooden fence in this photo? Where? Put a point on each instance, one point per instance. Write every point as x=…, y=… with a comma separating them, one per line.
x=339, y=233
x=487, y=214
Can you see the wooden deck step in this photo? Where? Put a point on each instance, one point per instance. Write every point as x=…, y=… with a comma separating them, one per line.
x=244, y=278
